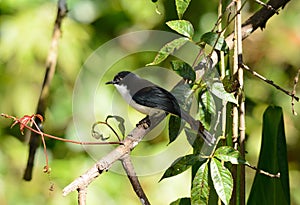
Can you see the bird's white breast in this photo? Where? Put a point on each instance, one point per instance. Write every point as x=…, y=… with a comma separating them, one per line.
x=123, y=90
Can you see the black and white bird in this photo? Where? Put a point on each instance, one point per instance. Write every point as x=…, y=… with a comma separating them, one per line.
x=146, y=97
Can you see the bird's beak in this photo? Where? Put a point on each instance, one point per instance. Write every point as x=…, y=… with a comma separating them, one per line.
x=110, y=82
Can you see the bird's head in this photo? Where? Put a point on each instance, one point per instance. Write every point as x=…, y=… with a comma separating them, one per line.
x=119, y=77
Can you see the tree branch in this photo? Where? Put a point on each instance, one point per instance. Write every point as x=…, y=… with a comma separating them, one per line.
x=258, y=20
x=34, y=141
x=129, y=143
x=128, y=166
x=291, y=94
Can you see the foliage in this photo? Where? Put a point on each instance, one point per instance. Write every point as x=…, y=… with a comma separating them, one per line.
x=273, y=158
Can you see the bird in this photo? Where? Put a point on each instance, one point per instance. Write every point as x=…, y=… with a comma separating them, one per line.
x=147, y=97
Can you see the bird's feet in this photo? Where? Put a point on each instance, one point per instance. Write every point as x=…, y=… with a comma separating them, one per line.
x=144, y=123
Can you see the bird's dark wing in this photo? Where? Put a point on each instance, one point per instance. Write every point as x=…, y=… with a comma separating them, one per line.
x=156, y=97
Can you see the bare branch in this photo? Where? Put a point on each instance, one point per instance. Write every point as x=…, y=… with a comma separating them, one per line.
x=270, y=82
x=267, y=6
x=49, y=73
x=264, y=172
x=82, y=192
x=128, y=166
x=131, y=141
x=258, y=20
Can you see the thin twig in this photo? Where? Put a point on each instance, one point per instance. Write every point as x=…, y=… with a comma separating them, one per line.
x=54, y=137
x=266, y=6
x=296, y=79
x=128, y=167
x=49, y=73
x=108, y=125
x=46, y=167
x=264, y=172
x=291, y=94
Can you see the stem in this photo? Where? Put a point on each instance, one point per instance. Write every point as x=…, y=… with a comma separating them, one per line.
x=128, y=167
x=51, y=62
x=44, y=145
x=108, y=125
x=39, y=132
x=222, y=71
x=291, y=94
x=242, y=124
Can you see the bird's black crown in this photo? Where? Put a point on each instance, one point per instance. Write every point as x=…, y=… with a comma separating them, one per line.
x=121, y=75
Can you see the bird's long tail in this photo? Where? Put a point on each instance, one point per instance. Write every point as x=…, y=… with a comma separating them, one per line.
x=198, y=126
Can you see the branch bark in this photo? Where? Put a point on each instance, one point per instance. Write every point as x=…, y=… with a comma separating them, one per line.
x=34, y=141
x=258, y=20
x=128, y=166
x=129, y=143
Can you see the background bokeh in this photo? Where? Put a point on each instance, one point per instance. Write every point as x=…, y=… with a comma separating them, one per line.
x=25, y=33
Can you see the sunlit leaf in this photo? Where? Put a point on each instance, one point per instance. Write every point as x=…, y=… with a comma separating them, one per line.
x=228, y=154
x=200, y=188
x=214, y=40
x=181, y=6
x=218, y=90
x=182, y=27
x=194, y=140
x=222, y=180
x=180, y=165
x=184, y=70
x=207, y=107
x=168, y=49
x=184, y=96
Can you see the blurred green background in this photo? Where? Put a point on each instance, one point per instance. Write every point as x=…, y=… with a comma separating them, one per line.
x=25, y=32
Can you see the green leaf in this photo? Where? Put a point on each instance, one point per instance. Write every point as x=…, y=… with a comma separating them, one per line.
x=228, y=154
x=181, y=201
x=222, y=180
x=184, y=70
x=180, y=165
x=168, y=49
x=181, y=6
x=207, y=106
x=213, y=39
x=175, y=127
x=182, y=27
x=200, y=188
x=184, y=96
x=194, y=140
x=218, y=90
x=272, y=159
